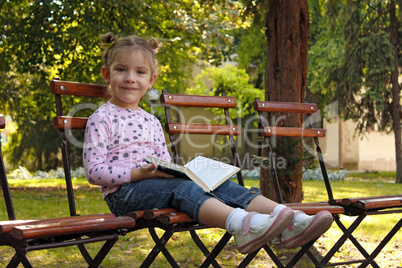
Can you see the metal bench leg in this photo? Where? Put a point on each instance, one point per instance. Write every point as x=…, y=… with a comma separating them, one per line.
x=19, y=257
x=103, y=252
x=248, y=259
x=215, y=252
x=160, y=243
x=383, y=243
x=84, y=253
x=356, y=243
x=305, y=249
x=347, y=233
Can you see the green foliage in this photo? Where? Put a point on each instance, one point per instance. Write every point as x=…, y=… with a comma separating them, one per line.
x=252, y=53
x=326, y=46
x=350, y=59
x=362, y=78
x=232, y=81
x=251, y=42
x=43, y=39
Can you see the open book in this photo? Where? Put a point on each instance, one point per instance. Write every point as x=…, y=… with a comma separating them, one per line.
x=205, y=172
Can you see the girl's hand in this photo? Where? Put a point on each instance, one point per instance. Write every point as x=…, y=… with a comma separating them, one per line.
x=148, y=171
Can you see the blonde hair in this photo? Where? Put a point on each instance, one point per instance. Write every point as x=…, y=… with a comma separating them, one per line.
x=112, y=44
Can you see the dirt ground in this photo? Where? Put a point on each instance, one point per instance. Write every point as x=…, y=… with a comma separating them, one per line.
x=390, y=256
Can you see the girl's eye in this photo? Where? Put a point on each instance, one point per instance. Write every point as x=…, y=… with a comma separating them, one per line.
x=119, y=69
x=141, y=72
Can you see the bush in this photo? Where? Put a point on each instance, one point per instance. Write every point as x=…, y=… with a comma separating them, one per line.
x=20, y=173
x=23, y=173
x=316, y=175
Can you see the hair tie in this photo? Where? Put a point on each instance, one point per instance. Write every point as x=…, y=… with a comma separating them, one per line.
x=109, y=45
x=154, y=50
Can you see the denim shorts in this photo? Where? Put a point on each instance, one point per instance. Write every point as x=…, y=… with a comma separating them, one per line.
x=182, y=194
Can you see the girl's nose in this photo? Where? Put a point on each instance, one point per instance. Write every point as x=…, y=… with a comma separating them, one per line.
x=130, y=77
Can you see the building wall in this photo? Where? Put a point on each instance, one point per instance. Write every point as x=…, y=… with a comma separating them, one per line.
x=377, y=152
x=330, y=144
x=345, y=149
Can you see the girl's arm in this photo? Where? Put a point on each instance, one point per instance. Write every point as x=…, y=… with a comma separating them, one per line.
x=150, y=171
x=95, y=152
x=98, y=170
x=147, y=172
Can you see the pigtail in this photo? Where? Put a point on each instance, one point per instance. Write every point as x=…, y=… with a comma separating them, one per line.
x=108, y=40
x=154, y=44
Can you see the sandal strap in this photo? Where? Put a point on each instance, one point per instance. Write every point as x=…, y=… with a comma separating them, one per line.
x=247, y=221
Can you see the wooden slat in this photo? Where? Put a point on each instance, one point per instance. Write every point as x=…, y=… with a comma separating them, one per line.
x=2, y=122
x=351, y=201
x=293, y=132
x=285, y=107
x=321, y=204
x=312, y=209
x=174, y=218
x=6, y=226
x=78, y=89
x=335, y=202
x=136, y=214
x=67, y=122
x=155, y=213
x=176, y=128
x=71, y=227
x=182, y=100
x=380, y=203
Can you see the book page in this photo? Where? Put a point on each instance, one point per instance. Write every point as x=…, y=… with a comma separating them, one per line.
x=212, y=172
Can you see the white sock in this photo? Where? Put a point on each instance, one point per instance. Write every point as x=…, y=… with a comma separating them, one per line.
x=235, y=220
x=300, y=216
x=278, y=208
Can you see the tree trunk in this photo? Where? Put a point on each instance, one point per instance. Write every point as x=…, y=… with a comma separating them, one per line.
x=285, y=80
x=396, y=122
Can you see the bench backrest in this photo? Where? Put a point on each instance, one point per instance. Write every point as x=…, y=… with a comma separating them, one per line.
x=63, y=122
x=3, y=178
x=266, y=130
x=225, y=128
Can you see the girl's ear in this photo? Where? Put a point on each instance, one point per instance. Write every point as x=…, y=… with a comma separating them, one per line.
x=106, y=74
x=152, y=80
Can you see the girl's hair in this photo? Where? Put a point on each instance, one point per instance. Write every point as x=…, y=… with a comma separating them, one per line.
x=112, y=44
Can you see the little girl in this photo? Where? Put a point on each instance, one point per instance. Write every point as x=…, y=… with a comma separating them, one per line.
x=119, y=135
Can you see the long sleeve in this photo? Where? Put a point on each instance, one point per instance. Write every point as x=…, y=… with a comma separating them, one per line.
x=116, y=141
x=98, y=167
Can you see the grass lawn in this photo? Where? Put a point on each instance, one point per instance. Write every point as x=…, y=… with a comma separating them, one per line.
x=46, y=198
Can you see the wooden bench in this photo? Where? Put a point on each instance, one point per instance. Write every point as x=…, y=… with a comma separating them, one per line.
x=168, y=219
x=171, y=220
x=29, y=235
x=359, y=207
x=178, y=129
x=225, y=128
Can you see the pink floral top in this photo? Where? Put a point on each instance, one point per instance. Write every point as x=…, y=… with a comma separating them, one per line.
x=116, y=141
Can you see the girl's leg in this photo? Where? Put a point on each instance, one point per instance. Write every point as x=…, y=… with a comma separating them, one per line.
x=261, y=204
x=214, y=213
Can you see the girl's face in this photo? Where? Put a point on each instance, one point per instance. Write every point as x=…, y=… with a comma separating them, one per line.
x=129, y=77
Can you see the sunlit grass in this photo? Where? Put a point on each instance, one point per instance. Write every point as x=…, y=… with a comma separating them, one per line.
x=46, y=198
x=46, y=182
